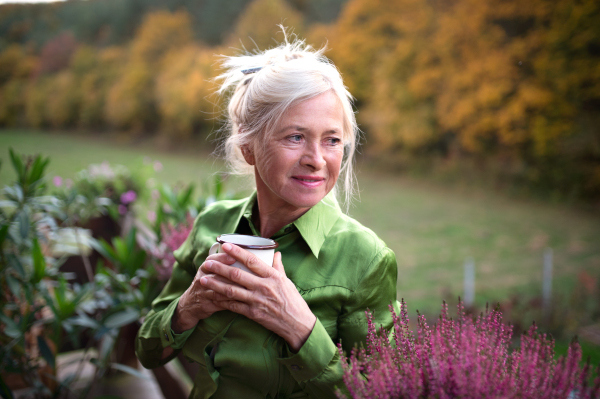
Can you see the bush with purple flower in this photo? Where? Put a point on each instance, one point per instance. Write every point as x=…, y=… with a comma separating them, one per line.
x=463, y=358
x=172, y=238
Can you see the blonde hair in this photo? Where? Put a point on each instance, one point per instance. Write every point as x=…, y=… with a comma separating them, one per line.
x=265, y=85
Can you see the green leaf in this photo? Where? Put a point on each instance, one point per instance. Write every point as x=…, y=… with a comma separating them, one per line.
x=107, y=345
x=129, y=370
x=39, y=263
x=11, y=328
x=37, y=170
x=137, y=262
x=218, y=186
x=13, y=285
x=15, y=264
x=168, y=195
x=5, y=391
x=17, y=163
x=121, y=251
x=130, y=241
x=106, y=250
x=3, y=233
x=23, y=221
x=46, y=352
x=64, y=305
x=84, y=320
x=117, y=320
x=4, y=204
x=186, y=195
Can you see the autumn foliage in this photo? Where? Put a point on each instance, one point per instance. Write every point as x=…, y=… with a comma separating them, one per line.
x=509, y=81
x=512, y=87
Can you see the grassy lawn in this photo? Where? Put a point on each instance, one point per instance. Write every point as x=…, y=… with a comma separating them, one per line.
x=432, y=229
x=70, y=153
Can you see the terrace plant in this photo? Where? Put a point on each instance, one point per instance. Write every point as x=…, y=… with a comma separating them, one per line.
x=35, y=300
x=41, y=311
x=463, y=358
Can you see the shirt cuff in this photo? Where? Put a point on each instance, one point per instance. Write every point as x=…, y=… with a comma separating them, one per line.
x=313, y=357
x=167, y=336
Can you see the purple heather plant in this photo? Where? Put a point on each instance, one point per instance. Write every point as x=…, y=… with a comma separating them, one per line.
x=172, y=238
x=462, y=358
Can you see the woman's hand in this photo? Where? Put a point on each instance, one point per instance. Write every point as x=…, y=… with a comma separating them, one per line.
x=269, y=297
x=198, y=302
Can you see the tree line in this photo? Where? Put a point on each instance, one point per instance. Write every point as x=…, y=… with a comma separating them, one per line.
x=512, y=85
x=502, y=85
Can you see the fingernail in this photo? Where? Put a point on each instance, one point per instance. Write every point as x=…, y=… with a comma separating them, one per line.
x=208, y=265
x=227, y=246
x=204, y=280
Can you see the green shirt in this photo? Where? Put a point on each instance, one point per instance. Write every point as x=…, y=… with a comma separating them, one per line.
x=340, y=268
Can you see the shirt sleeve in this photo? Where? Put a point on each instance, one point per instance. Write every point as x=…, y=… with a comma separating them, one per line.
x=317, y=366
x=156, y=334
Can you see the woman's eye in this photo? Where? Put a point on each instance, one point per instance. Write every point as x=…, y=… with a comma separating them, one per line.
x=333, y=141
x=296, y=138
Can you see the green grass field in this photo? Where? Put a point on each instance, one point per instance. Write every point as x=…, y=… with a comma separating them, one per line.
x=431, y=229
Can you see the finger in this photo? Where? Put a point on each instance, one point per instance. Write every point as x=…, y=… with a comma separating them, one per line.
x=277, y=264
x=214, y=297
x=236, y=307
x=251, y=261
x=222, y=257
x=233, y=274
x=230, y=291
x=222, y=279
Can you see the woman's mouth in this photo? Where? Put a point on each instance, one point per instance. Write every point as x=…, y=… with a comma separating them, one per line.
x=309, y=181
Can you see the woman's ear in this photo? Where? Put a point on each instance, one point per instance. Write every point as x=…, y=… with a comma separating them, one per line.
x=248, y=154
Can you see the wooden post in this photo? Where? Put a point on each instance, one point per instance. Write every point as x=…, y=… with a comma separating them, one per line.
x=547, y=282
x=469, y=283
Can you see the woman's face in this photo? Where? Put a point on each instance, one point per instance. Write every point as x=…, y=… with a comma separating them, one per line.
x=301, y=162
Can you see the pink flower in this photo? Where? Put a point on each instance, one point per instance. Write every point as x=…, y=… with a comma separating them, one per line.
x=128, y=197
x=461, y=358
x=172, y=238
x=57, y=180
x=151, y=216
x=158, y=166
x=122, y=209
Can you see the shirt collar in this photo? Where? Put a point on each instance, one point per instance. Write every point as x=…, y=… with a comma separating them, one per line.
x=313, y=226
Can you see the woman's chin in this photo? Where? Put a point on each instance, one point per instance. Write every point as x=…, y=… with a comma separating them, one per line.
x=305, y=200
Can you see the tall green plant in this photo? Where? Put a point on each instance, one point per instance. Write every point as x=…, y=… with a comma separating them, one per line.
x=40, y=310
x=26, y=220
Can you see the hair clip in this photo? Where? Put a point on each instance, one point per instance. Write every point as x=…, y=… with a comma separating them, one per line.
x=251, y=70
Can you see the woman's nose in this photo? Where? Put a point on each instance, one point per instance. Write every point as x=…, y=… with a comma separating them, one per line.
x=313, y=157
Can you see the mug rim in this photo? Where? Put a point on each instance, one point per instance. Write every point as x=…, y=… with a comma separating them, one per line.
x=247, y=246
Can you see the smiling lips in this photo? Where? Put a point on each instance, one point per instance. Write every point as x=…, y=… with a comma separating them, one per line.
x=309, y=181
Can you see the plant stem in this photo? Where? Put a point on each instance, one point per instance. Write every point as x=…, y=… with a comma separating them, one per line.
x=84, y=257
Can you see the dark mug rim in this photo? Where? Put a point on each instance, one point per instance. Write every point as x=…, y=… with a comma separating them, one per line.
x=246, y=246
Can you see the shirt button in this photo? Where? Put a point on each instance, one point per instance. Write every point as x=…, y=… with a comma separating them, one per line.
x=295, y=367
x=166, y=336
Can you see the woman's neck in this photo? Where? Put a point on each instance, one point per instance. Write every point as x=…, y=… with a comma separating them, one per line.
x=271, y=213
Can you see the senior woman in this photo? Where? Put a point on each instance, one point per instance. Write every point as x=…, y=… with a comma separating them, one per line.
x=273, y=334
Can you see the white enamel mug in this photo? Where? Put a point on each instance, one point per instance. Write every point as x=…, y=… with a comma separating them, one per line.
x=263, y=248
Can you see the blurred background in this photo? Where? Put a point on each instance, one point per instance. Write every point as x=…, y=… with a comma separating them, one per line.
x=480, y=164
